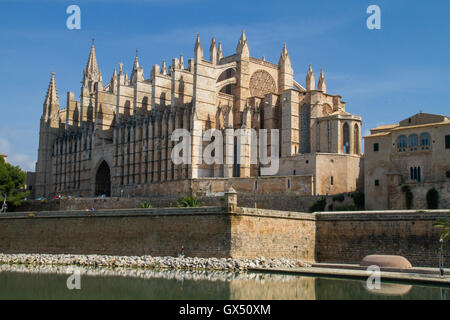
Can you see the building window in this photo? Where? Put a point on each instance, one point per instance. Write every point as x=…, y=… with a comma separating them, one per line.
x=356, y=139
x=305, y=120
x=416, y=173
x=256, y=185
x=329, y=135
x=425, y=140
x=413, y=142
x=376, y=147
x=447, y=174
x=289, y=183
x=401, y=143
x=332, y=180
x=377, y=183
x=346, y=138
x=447, y=142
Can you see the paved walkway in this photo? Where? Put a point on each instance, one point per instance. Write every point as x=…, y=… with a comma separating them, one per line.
x=429, y=275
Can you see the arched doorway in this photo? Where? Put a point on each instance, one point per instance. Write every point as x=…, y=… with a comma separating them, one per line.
x=103, y=180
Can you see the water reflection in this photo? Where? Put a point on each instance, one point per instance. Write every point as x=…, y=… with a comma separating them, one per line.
x=49, y=282
x=390, y=289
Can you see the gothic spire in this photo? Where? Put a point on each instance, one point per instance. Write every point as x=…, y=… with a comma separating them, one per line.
x=285, y=61
x=242, y=47
x=322, y=86
x=51, y=104
x=198, y=49
x=113, y=82
x=92, y=66
x=164, y=67
x=219, y=52
x=91, y=73
x=134, y=72
x=136, y=62
x=310, y=80
x=181, y=62
x=213, y=51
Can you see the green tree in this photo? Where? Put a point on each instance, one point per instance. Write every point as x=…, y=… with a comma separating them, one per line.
x=12, y=181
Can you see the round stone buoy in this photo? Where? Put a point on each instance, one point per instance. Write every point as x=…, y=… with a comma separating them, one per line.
x=386, y=261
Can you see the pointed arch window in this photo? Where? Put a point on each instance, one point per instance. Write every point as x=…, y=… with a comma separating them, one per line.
x=305, y=120
x=425, y=141
x=416, y=173
x=413, y=142
x=401, y=143
x=145, y=103
x=346, y=138
x=356, y=139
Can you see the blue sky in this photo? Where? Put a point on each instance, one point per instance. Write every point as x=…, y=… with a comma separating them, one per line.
x=384, y=75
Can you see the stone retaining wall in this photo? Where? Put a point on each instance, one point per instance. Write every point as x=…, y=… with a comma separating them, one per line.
x=349, y=237
x=204, y=232
x=344, y=237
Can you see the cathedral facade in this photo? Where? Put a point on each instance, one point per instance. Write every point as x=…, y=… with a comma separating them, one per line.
x=116, y=139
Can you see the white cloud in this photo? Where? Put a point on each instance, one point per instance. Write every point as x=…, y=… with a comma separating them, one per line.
x=24, y=161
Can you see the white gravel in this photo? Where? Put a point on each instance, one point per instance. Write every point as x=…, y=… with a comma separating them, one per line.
x=149, y=262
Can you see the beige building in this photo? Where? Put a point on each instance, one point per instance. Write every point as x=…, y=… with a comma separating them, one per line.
x=3, y=156
x=414, y=153
x=115, y=139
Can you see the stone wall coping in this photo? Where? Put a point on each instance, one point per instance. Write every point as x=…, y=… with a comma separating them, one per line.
x=257, y=212
x=113, y=213
x=384, y=215
x=266, y=213
x=158, y=212
x=251, y=178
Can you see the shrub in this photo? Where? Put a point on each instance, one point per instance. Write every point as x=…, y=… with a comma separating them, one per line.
x=350, y=207
x=443, y=224
x=432, y=199
x=146, y=205
x=408, y=196
x=188, y=202
x=319, y=205
x=359, y=200
x=339, y=198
